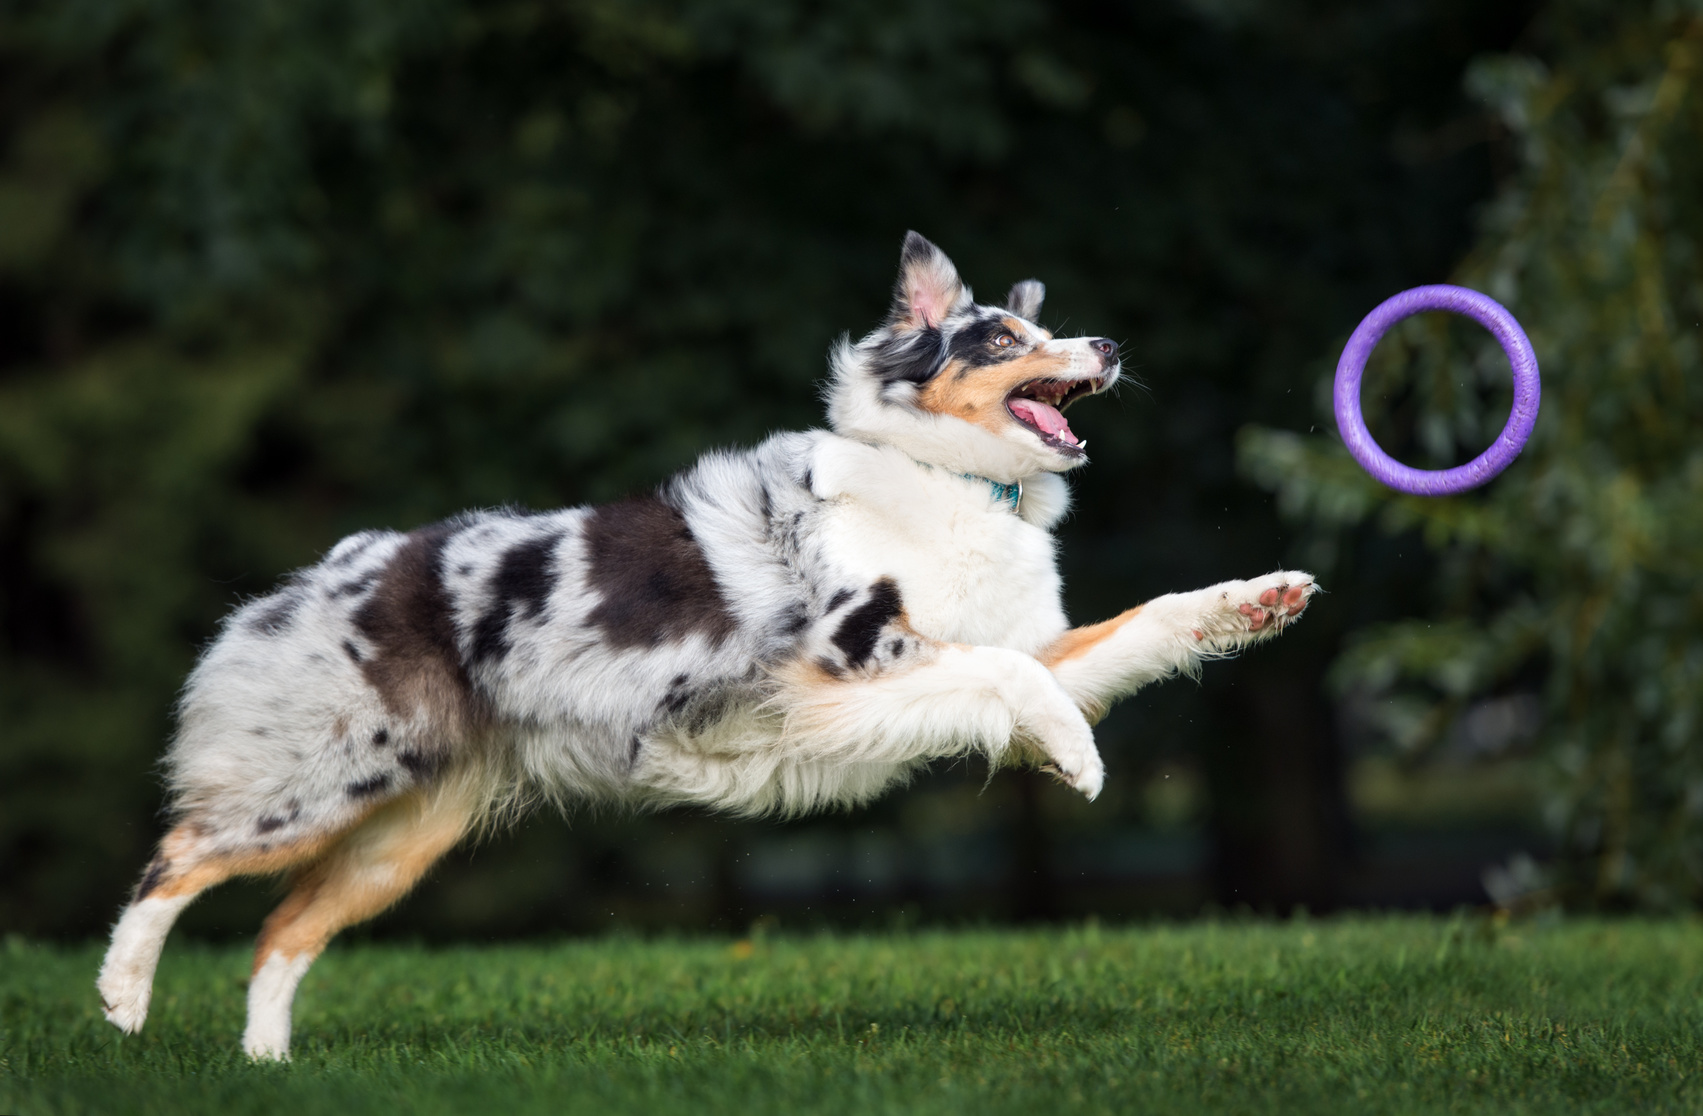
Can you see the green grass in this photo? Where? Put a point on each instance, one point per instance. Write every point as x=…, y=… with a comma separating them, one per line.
x=1356, y=1015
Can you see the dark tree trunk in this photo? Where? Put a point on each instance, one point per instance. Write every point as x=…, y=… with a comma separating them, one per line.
x=1279, y=812
x=1033, y=891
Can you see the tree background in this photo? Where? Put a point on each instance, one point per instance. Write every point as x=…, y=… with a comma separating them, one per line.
x=270, y=273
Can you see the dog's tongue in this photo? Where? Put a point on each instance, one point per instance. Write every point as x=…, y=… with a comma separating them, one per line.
x=1049, y=419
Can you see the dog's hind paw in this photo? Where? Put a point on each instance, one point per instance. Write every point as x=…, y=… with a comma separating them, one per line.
x=124, y=1005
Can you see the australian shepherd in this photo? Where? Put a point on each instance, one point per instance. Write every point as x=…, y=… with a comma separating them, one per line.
x=774, y=630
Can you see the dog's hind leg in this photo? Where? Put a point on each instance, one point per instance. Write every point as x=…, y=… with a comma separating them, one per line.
x=188, y=862
x=374, y=865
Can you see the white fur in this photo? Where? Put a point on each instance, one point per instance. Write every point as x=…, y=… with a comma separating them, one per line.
x=270, y=996
x=969, y=570
x=127, y=975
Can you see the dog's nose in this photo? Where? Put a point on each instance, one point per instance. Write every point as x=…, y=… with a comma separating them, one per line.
x=1107, y=348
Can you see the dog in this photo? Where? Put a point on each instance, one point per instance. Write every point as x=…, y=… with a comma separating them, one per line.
x=773, y=631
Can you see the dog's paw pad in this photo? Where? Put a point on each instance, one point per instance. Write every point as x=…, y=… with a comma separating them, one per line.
x=1264, y=606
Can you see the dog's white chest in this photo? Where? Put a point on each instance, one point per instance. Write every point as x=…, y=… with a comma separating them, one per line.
x=968, y=571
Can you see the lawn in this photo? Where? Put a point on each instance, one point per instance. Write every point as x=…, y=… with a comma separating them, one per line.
x=1362, y=1015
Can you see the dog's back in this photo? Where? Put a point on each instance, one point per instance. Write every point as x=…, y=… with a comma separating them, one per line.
x=401, y=658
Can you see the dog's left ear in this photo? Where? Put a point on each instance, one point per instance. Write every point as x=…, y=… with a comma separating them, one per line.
x=1025, y=299
x=928, y=290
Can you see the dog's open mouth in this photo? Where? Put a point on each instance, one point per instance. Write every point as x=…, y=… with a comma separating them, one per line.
x=1040, y=404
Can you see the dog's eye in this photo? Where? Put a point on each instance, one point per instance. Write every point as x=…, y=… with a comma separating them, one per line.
x=1005, y=340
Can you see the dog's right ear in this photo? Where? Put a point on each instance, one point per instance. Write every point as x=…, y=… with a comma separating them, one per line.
x=1025, y=299
x=928, y=290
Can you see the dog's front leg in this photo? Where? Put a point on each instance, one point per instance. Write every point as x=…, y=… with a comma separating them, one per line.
x=947, y=700
x=1172, y=634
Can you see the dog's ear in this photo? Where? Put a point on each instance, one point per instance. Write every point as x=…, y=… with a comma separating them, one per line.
x=928, y=290
x=1025, y=299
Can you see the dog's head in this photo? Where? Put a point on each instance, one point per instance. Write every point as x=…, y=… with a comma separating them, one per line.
x=976, y=389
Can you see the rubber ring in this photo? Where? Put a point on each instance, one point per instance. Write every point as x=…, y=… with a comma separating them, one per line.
x=1490, y=314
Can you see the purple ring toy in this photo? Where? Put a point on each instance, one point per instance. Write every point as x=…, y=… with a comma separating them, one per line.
x=1490, y=314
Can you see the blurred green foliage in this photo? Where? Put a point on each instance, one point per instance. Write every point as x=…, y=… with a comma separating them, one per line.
x=1579, y=573
x=272, y=272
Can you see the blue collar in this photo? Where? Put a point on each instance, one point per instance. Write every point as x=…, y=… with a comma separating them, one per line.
x=1011, y=494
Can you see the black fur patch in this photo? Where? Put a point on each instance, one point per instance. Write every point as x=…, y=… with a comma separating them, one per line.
x=840, y=597
x=271, y=822
x=279, y=612
x=914, y=356
x=156, y=871
x=679, y=695
x=519, y=587
x=896, y=648
x=652, y=578
x=415, y=662
x=861, y=629
x=366, y=788
x=424, y=766
x=697, y=709
x=352, y=651
x=381, y=738
x=973, y=347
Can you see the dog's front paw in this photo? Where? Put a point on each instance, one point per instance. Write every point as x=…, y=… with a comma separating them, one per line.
x=1068, y=742
x=1264, y=606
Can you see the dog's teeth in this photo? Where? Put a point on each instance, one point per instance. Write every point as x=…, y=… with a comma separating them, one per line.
x=1083, y=444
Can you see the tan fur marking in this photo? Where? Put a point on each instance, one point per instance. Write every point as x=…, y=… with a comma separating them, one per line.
x=1079, y=641
x=809, y=674
x=369, y=869
x=191, y=871
x=978, y=396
